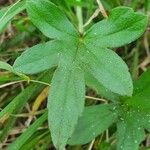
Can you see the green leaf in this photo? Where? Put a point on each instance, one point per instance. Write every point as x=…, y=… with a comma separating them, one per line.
x=65, y=103
x=134, y=120
x=121, y=27
x=28, y=133
x=136, y=117
x=142, y=83
x=6, y=66
x=94, y=121
x=130, y=131
x=107, y=68
x=140, y=101
x=7, y=14
x=146, y=120
x=77, y=57
x=50, y=19
x=38, y=58
x=141, y=96
x=99, y=88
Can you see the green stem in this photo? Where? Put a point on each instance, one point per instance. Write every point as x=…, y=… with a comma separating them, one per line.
x=80, y=19
x=40, y=82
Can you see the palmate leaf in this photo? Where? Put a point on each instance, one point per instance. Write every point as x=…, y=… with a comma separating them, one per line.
x=75, y=56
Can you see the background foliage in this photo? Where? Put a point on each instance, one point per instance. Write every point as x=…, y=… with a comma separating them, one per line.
x=23, y=104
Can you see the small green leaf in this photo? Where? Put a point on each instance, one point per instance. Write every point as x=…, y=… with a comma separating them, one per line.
x=65, y=104
x=38, y=58
x=108, y=69
x=7, y=14
x=122, y=27
x=142, y=83
x=94, y=121
x=146, y=121
x=140, y=101
x=141, y=96
x=50, y=19
x=6, y=66
x=130, y=132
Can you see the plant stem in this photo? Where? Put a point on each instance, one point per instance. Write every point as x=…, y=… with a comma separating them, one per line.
x=102, y=9
x=80, y=19
x=95, y=14
x=95, y=98
x=91, y=145
x=40, y=82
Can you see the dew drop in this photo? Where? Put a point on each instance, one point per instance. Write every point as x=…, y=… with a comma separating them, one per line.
x=114, y=108
x=135, y=141
x=88, y=52
x=93, y=133
x=121, y=119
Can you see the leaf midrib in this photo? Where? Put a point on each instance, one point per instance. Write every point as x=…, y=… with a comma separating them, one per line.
x=64, y=102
